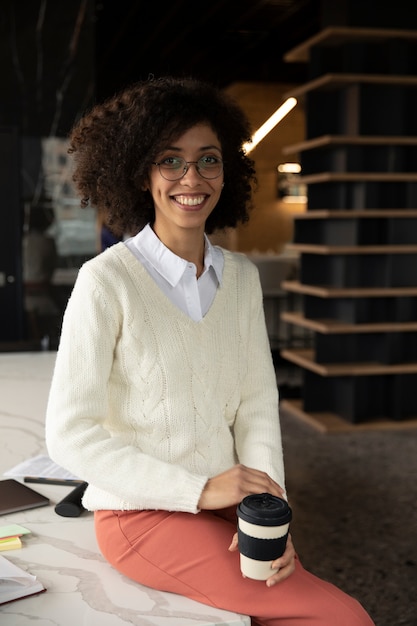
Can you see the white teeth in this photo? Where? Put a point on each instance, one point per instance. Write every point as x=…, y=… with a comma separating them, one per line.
x=189, y=201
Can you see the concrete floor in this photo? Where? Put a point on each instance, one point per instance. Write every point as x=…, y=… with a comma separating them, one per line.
x=354, y=501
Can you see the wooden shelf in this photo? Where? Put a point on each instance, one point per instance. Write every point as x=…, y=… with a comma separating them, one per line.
x=330, y=327
x=336, y=81
x=324, y=214
x=327, y=422
x=305, y=359
x=354, y=250
x=357, y=177
x=321, y=291
x=339, y=35
x=349, y=140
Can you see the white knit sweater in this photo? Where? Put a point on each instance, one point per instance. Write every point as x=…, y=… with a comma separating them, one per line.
x=145, y=403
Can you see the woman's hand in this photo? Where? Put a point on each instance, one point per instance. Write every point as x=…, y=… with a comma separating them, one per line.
x=230, y=487
x=285, y=563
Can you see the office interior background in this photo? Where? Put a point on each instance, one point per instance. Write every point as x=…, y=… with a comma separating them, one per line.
x=347, y=145
x=338, y=170
x=58, y=59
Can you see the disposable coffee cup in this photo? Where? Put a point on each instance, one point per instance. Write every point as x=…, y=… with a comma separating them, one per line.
x=263, y=525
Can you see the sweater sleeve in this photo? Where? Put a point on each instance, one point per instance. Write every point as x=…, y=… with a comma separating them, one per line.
x=257, y=426
x=76, y=434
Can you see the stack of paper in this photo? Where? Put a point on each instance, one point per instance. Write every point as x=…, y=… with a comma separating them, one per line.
x=15, y=583
x=10, y=536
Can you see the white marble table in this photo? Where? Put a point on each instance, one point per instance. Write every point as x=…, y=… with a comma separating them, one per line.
x=82, y=589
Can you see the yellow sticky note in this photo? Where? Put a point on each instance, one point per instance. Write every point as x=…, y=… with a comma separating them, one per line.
x=13, y=543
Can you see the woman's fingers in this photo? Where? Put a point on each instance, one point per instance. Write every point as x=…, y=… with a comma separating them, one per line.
x=234, y=484
x=234, y=545
x=255, y=481
x=285, y=564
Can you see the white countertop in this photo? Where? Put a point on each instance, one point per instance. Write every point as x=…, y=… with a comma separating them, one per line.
x=82, y=588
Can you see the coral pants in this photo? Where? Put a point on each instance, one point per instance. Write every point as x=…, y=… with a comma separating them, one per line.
x=188, y=554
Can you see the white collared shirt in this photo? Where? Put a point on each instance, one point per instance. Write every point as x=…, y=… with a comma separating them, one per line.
x=177, y=277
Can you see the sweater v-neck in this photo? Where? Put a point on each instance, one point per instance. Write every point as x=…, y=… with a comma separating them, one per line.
x=140, y=277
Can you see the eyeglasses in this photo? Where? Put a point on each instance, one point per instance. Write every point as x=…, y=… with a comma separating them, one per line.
x=174, y=168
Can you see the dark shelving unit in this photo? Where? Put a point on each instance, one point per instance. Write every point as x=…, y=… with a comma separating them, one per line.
x=357, y=240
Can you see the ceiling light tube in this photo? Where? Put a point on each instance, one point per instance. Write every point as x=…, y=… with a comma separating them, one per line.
x=270, y=123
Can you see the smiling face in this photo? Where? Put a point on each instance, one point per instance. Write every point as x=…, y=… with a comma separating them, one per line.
x=183, y=206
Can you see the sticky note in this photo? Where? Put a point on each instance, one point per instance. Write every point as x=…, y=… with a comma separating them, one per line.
x=13, y=543
x=13, y=530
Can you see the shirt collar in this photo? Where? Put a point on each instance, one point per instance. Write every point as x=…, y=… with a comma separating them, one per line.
x=168, y=264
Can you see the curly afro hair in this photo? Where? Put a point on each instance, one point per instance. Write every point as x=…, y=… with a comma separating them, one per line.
x=115, y=143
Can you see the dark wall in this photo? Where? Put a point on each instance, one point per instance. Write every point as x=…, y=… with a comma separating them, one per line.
x=400, y=14
x=46, y=64
x=47, y=80
x=11, y=307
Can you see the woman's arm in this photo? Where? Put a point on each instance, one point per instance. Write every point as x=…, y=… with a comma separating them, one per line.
x=257, y=428
x=77, y=434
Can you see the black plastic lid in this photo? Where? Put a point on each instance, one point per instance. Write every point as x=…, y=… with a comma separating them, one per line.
x=264, y=509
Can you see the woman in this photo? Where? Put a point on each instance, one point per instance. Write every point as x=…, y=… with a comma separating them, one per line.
x=164, y=396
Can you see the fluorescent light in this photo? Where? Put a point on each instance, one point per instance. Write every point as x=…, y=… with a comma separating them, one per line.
x=289, y=168
x=270, y=123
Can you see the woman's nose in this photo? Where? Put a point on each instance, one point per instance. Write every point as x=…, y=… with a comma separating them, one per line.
x=191, y=172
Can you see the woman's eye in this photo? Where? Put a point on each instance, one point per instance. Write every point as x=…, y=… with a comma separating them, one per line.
x=210, y=160
x=173, y=162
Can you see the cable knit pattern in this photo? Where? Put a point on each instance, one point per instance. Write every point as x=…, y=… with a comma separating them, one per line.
x=147, y=404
